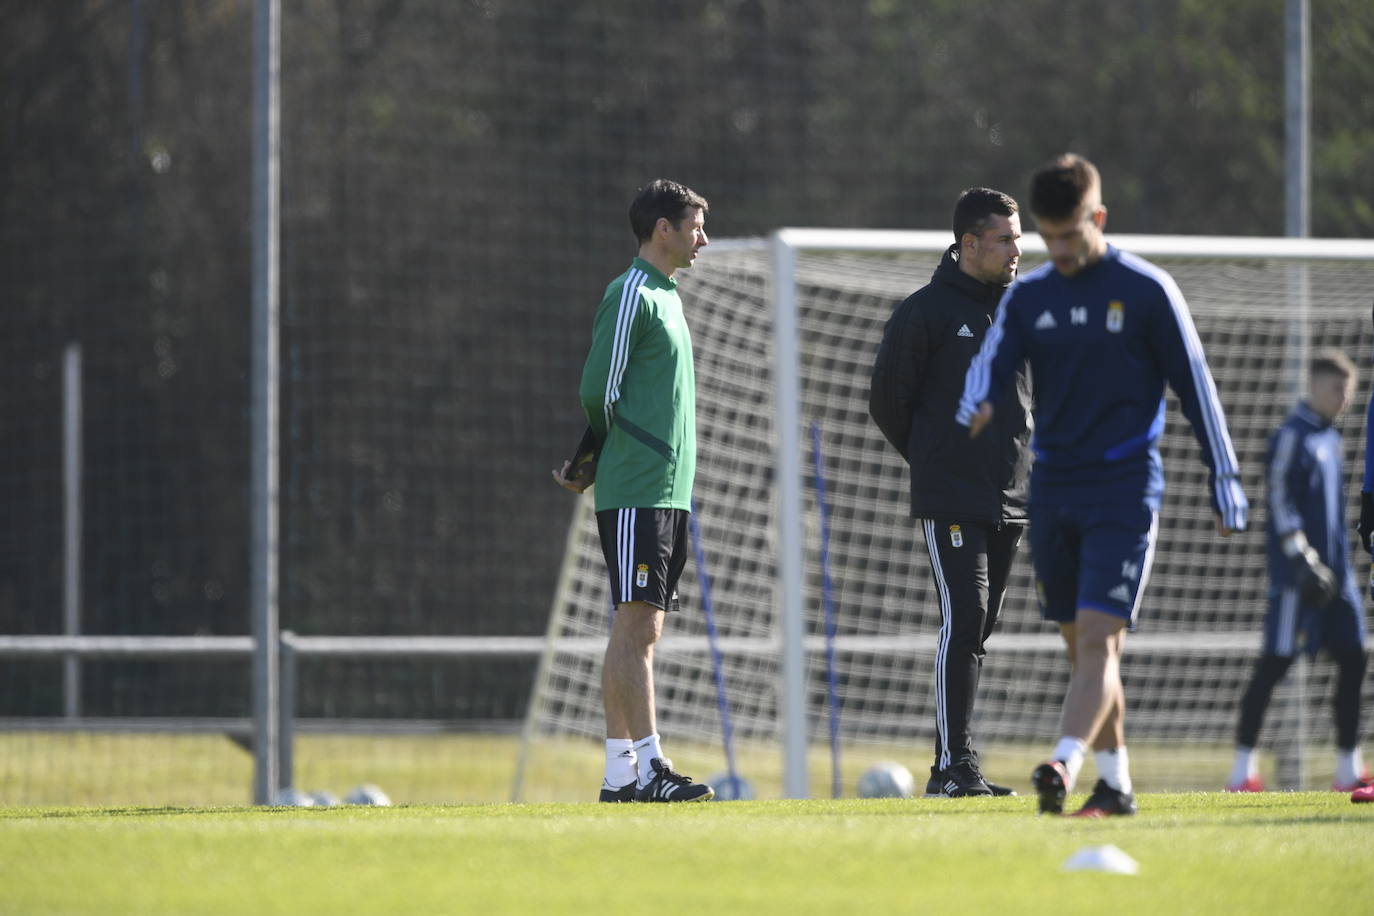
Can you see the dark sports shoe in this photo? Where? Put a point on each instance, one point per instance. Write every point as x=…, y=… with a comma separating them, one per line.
x=933, y=784
x=667, y=786
x=610, y=793
x=1051, y=781
x=962, y=780
x=1107, y=802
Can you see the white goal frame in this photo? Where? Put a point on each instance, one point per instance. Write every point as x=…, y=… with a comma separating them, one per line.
x=784, y=245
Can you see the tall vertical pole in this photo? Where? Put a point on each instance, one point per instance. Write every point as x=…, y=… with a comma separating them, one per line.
x=1297, y=224
x=266, y=234
x=71, y=523
x=1297, y=119
x=792, y=692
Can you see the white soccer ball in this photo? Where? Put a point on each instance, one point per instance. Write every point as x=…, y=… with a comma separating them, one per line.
x=886, y=780
x=727, y=789
x=367, y=794
x=293, y=798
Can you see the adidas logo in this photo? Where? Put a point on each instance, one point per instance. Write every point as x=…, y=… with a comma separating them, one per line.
x=964, y=332
x=1120, y=593
x=1045, y=321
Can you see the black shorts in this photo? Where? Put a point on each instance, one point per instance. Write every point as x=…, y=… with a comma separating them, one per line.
x=645, y=552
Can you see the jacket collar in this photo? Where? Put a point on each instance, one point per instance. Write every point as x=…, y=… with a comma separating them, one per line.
x=655, y=273
x=1305, y=412
x=948, y=272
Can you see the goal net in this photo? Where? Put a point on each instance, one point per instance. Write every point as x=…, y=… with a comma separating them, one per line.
x=1260, y=307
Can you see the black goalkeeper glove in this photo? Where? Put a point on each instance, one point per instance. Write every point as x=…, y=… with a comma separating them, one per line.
x=1366, y=525
x=1316, y=582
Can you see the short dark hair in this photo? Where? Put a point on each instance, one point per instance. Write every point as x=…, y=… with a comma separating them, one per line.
x=662, y=199
x=1331, y=361
x=1063, y=185
x=973, y=208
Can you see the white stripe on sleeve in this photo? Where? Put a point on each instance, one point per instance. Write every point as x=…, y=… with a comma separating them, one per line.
x=620, y=349
x=1281, y=510
x=1224, y=463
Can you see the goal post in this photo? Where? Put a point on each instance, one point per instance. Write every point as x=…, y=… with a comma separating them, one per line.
x=785, y=331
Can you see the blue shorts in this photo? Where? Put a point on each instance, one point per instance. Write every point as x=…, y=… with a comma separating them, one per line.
x=1290, y=625
x=1095, y=556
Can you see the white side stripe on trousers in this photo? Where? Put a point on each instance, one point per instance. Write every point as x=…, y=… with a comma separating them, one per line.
x=941, y=645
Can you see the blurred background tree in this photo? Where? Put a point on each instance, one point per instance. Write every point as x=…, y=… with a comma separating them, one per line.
x=456, y=175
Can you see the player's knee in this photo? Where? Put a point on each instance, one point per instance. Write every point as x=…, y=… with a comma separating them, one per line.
x=640, y=623
x=1274, y=666
x=1353, y=663
x=1097, y=634
x=1090, y=648
x=966, y=640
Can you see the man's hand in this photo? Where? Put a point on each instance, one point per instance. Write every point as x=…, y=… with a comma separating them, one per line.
x=576, y=480
x=979, y=420
x=1366, y=525
x=1316, y=582
x=1221, y=526
x=579, y=472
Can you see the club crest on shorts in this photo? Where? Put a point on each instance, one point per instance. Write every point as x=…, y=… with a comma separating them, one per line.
x=642, y=575
x=1116, y=316
x=956, y=537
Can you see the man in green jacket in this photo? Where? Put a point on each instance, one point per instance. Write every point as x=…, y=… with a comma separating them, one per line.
x=639, y=392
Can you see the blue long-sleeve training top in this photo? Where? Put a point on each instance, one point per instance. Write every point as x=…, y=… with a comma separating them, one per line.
x=1368, y=484
x=1306, y=492
x=1101, y=345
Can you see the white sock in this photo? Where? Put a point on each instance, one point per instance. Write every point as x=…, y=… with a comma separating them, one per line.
x=1071, y=752
x=1114, y=766
x=620, y=762
x=647, y=749
x=1245, y=766
x=1349, y=767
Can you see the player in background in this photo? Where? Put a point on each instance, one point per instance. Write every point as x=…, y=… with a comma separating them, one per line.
x=1366, y=529
x=1366, y=525
x=639, y=393
x=969, y=494
x=1313, y=598
x=1103, y=331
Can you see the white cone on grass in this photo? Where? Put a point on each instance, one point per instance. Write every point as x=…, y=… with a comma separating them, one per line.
x=1102, y=858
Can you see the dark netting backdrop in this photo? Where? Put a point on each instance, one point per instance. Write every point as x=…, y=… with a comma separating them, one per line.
x=455, y=178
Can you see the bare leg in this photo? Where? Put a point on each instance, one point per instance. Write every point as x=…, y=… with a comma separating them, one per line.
x=1094, y=707
x=1111, y=734
x=627, y=674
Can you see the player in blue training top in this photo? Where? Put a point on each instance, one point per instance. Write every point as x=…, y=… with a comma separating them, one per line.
x=1313, y=599
x=1103, y=331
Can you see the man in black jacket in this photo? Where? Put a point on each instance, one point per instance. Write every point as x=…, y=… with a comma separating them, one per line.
x=969, y=493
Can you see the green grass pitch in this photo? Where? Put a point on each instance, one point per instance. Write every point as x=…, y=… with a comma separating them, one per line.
x=1198, y=853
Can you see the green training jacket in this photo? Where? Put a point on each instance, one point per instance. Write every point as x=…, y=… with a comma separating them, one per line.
x=639, y=391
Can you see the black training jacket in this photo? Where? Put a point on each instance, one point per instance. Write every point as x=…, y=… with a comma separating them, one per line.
x=918, y=379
